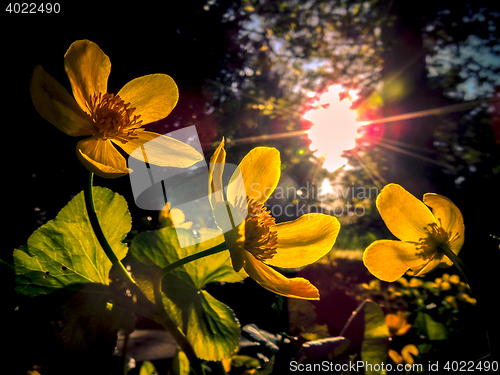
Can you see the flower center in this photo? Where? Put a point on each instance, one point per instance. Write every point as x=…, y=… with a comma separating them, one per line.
x=113, y=117
x=436, y=236
x=261, y=235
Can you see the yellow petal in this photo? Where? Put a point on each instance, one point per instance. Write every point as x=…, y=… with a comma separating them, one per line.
x=101, y=157
x=395, y=356
x=153, y=96
x=276, y=282
x=215, y=175
x=405, y=216
x=88, y=70
x=304, y=240
x=165, y=217
x=407, y=353
x=57, y=106
x=178, y=216
x=439, y=260
x=449, y=216
x=260, y=171
x=161, y=150
x=389, y=260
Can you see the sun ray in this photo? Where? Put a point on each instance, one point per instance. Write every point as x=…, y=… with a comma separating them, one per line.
x=376, y=178
x=407, y=116
x=427, y=112
x=390, y=144
x=415, y=155
x=401, y=144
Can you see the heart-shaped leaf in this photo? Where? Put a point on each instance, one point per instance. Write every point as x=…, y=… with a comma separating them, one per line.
x=428, y=327
x=210, y=326
x=65, y=251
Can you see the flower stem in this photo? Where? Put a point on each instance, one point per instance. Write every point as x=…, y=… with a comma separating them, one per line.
x=149, y=311
x=445, y=249
x=94, y=222
x=161, y=273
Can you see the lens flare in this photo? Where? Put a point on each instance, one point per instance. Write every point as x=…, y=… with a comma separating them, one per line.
x=334, y=128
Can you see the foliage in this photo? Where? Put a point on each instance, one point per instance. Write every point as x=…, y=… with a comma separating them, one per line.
x=209, y=324
x=65, y=251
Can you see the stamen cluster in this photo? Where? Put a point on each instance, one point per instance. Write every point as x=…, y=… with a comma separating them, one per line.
x=113, y=117
x=261, y=235
x=436, y=237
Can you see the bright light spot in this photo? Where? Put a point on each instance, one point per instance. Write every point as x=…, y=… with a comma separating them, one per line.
x=334, y=126
x=326, y=187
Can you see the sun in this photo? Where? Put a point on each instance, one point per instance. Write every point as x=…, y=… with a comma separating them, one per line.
x=334, y=128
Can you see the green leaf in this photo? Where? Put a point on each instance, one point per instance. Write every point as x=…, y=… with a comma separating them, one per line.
x=244, y=361
x=210, y=326
x=374, y=347
x=65, y=250
x=428, y=327
x=303, y=320
x=180, y=364
x=147, y=368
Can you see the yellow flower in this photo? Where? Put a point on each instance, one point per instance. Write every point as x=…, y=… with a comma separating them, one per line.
x=465, y=297
x=415, y=283
x=442, y=283
x=258, y=242
x=397, y=324
x=173, y=218
x=422, y=233
x=110, y=120
x=452, y=301
x=406, y=356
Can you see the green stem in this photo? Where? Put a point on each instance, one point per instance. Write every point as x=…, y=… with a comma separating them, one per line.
x=161, y=273
x=149, y=311
x=94, y=222
x=445, y=249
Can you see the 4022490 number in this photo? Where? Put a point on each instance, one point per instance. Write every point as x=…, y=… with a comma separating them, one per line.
x=464, y=366
x=33, y=8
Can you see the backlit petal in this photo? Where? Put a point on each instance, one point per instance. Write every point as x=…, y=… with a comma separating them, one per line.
x=161, y=150
x=215, y=175
x=389, y=260
x=450, y=217
x=260, y=170
x=88, y=68
x=235, y=242
x=101, y=157
x=305, y=240
x=405, y=216
x=153, y=96
x=56, y=105
x=277, y=283
x=439, y=260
